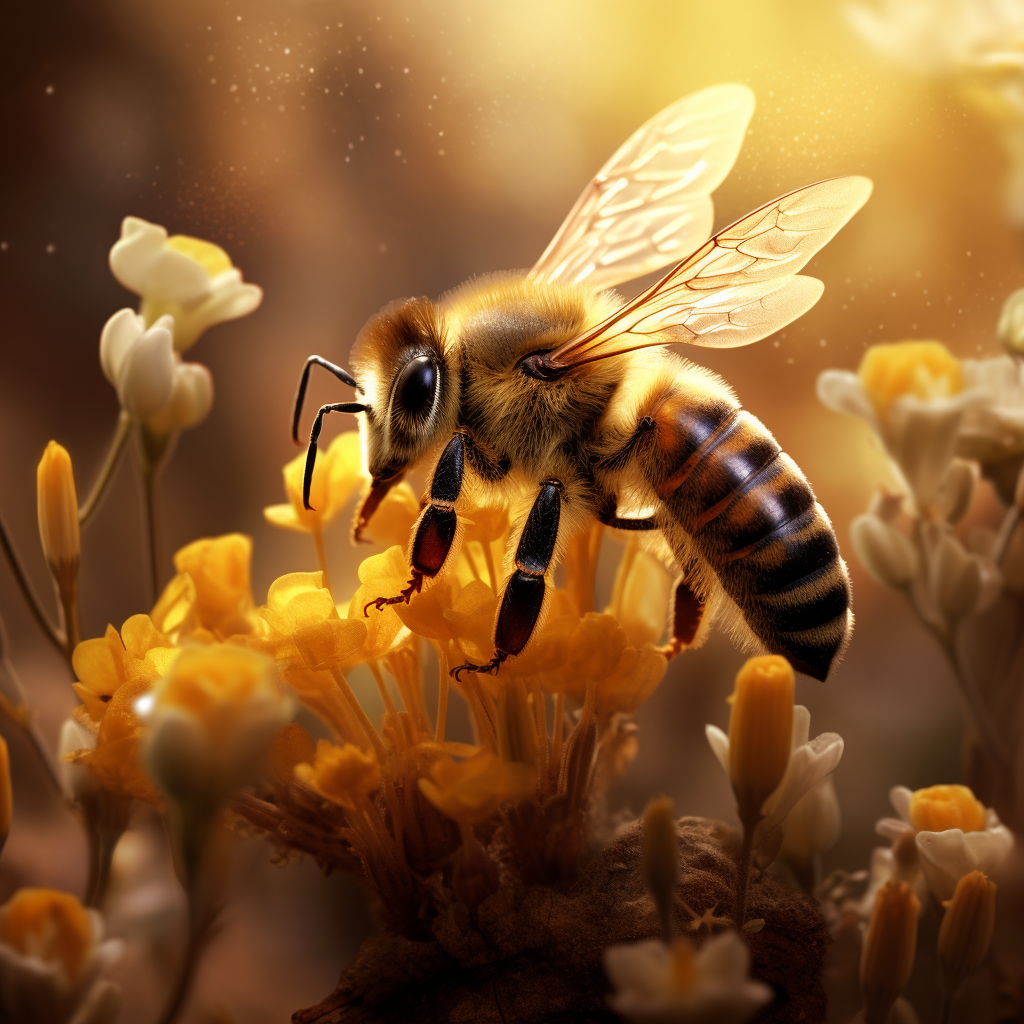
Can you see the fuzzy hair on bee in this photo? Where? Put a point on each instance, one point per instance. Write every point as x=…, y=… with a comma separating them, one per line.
x=547, y=393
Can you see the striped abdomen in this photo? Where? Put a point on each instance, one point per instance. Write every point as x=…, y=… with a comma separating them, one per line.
x=752, y=516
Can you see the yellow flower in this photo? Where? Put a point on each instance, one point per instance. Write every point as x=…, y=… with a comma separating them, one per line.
x=924, y=369
x=141, y=653
x=338, y=472
x=966, y=930
x=760, y=731
x=58, y=519
x=383, y=575
x=938, y=808
x=50, y=926
x=344, y=775
x=470, y=791
x=211, y=597
x=395, y=517
x=890, y=945
x=211, y=722
x=188, y=278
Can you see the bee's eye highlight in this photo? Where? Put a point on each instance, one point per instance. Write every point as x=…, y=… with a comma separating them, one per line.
x=414, y=389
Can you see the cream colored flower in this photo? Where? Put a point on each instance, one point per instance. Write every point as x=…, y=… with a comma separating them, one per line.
x=51, y=958
x=659, y=984
x=810, y=761
x=813, y=825
x=190, y=279
x=960, y=583
x=885, y=551
x=913, y=394
x=153, y=384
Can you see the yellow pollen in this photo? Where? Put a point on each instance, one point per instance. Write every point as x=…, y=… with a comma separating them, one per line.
x=49, y=925
x=212, y=258
x=682, y=967
x=939, y=808
x=925, y=369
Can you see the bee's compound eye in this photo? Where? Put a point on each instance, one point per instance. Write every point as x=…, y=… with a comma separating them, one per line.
x=414, y=390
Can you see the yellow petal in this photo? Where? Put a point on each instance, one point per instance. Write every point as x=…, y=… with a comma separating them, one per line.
x=285, y=517
x=139, y=635
x=174, y=613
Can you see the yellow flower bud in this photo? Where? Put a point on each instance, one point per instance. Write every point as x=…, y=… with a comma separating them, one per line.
x=924, y=369
x=890, y=944
x=966, y=929
x=344, y=775
x=760, y=731
x=6, y=799
x=58, y=516
x=470, y=791
x=939, y=808
x=660, y=859
x=48, y=925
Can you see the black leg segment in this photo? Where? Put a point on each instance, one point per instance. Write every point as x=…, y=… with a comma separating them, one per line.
x=438, y=523
x=523, y=599
x=314, y=436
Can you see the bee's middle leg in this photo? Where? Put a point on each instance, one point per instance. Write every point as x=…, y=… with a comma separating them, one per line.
x=523, y=598
x=437, y=526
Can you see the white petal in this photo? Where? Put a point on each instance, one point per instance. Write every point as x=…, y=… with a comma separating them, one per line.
x=640, y=968
x=719, y=744
x=175, y=277
x=892, y=829
x=724, y=959
x=133, y=255
x=808, y=765
x=147, y=374
x=900, y=797
x=887, y=554
x=230, y=298
x=120, y=332
x=801, y=726
x=190, y=402
x=842, y=391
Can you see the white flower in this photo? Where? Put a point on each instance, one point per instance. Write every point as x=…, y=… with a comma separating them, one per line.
x=887, y=553
x=658, y=984
x=191, y=279
x=153, y=384
x=813, y=825
x=947, y=855
x=920, y=434
x=960, y=584
x=51, y=958
x=139, y=362
x=809, y=763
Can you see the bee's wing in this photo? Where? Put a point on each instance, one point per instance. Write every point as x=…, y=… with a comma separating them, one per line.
x=651, y=203
x=739, y=287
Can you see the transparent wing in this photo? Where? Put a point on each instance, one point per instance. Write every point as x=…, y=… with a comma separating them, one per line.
x=739, y=287
x=650, y=202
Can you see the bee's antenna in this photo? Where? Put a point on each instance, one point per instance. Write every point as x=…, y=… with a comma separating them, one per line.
x=300, y=392
x=314, y=434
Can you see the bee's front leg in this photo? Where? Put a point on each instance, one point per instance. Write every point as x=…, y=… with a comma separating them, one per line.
x=437, y=526
x=523, y=599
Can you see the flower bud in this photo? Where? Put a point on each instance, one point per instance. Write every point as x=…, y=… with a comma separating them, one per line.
x=660, y=858
x=938, y=808
x=344, y=775
x=957, y=490
x=57, y=505
x=190, y=401
x=812, y=826
x=890, y=944
x=924, y=369
x=49, y=925
x=887, y=554
x=966, y=929
x=6, y=798
x=1010, y=329
x=961, y=584
x=760, y=731
x=139, y=361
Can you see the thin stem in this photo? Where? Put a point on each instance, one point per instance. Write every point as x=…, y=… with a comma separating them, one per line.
x=149, y=480
x=68, y=598
x=50, y=631
x=102, y=844
x=946, y=1009
x=321, y=557
x=743, y=876
x=443, y=683
x=199, y=933
x=24, y=718
x=372, y=736
x=106, y=473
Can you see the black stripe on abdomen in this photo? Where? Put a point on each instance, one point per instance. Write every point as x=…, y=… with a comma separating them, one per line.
x=752, y=515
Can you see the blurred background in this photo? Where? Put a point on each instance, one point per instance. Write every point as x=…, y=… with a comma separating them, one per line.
x=348, y=153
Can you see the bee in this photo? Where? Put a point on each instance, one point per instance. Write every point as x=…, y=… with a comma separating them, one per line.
x=549, y=393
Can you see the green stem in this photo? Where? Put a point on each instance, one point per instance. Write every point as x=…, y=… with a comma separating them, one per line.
x=50, y=631
x=106, y=473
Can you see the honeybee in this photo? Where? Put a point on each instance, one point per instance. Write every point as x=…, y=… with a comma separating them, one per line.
x=546, y=391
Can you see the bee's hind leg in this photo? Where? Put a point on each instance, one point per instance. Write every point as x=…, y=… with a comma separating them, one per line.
x=437, y=525
x=687, y=618
x=523, y=599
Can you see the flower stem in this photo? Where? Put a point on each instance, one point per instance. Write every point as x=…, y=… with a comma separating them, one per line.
x=102, y=844
x=106, y=473
x=199, y=930
x=149, y=481
x=50, y=631
x=443, y=683
x=69, y=612
x=24, y=718
x=743, y=876
x=321, y=557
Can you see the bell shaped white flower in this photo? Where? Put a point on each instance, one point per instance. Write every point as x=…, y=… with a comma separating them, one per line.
x=189, y=278
x=659, y=984
x=190, y=402
x=51, y=959
x=139, y=361
x=810, y=761
x=813, y=825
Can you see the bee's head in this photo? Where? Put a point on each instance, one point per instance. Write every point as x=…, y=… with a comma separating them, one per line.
x=408, y=385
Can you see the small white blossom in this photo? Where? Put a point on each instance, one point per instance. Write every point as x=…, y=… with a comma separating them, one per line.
x=885, y=551
x=711, y=986
x=191, y=279
x=810, y=761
